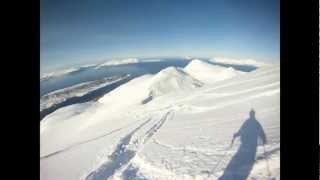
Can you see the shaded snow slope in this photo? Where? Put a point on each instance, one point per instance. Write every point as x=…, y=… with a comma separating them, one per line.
x=209, y=73
x=178, y=135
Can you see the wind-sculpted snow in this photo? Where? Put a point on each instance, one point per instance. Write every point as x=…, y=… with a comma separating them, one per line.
x=78, y=90
x=184, y=132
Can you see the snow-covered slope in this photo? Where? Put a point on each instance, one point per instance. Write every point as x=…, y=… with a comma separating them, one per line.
x=148, y=87
x=177, y=135
x=171, y=80
x=61, y=95
x=209, y=73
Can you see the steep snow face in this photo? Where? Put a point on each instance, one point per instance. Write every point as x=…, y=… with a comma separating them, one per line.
x=182, y=135
x=251, y=62
x=209, y=73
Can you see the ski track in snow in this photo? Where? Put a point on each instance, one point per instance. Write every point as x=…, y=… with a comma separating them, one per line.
x=80, y=143
x=123, y=152
x=193, y=144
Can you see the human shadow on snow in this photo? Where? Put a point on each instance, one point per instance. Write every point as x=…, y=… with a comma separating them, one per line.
x=242, y=162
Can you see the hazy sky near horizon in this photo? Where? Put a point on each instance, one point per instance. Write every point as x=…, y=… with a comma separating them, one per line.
x=86, y=31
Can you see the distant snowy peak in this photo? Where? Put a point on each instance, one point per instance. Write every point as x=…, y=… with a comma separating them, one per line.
x=115, y=62
x=248, y=62
x=63, y=72
x=172, y=79
x=209, y=73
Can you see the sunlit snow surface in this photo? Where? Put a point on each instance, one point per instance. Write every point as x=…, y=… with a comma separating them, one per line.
x=78, y=90
x=171, y=125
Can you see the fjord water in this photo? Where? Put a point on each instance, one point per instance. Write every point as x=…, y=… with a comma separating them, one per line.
x=98, y=72
x=92, y=73
x=135, y=69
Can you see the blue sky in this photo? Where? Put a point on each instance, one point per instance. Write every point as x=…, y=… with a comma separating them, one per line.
x=86, y=31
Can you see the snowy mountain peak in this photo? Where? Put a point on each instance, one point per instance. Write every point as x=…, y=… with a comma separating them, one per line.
x=209, y=73
x=196, y=61
x=147, y=87
x=115, y=62
x=170, y=72
x=172, y=79
x=200, y=64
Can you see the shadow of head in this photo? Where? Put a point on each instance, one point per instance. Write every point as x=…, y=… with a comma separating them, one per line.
x=241, y=163
x=252, y=113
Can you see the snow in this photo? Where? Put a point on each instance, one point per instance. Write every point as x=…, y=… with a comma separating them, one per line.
x=78, y=90
x=234, y=61
x=63, y=72
x=64, y=114
x=209, y=73
x=146, y=88
x=183, y=132
x=130, y=93
x=171, y=80
x=115, y=62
